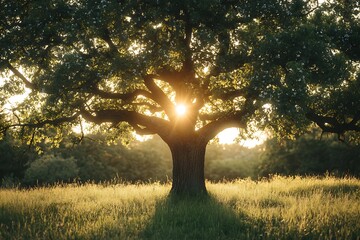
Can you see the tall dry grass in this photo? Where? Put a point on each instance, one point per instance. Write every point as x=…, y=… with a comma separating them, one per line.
x=280, y=208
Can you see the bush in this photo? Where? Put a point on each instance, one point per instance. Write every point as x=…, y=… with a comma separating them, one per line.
x=231, y=162
x=307, y=156
x=10, y=182
x=50, y=169
x=140, y=161
x=14, y=157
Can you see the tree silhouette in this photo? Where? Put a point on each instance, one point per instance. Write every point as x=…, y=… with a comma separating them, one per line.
x=130, y=64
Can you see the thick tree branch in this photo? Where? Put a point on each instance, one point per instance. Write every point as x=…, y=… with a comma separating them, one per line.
x=152, y=108
x=192, y=94
x=123, y=96
x=188, y=65
x=130, y=97
x=105, y=35
x=332, y=125
x=199, y=103
x=159, y=96
x=238, y=119
x=27, y=83
x=140, y=121
x=210, y=130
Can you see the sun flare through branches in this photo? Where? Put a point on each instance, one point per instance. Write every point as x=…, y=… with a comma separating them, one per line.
x=180, y=110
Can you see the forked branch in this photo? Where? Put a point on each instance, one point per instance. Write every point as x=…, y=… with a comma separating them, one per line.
x=159, y=96
x=332, y=125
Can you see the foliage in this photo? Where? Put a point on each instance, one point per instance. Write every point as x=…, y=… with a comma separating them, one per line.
x=99, y=161
x=9, y=181
x=279, y=208
x=129, y=61
x=149, y=161
x=231, y=162
x=13, y=158
x=50, y=169
x=309, y=156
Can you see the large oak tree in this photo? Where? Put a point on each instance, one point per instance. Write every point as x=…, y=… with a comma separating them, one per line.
x=274, y=64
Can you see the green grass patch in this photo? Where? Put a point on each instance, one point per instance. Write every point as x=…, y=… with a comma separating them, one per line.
x=281, y=208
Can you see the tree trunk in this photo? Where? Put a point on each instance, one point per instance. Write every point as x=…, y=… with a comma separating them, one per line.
x=188, y=167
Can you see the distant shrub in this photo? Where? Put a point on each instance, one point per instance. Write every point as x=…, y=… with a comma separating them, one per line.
x=307, y=156
x=231, y=162
x=10, y=182
x=14, y=157
x=140, y=161
x=50, y=169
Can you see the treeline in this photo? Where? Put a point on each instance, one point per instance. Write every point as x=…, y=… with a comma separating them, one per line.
x=310, y=156
x=95, y=160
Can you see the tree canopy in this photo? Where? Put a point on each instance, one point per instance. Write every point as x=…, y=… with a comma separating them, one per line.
x=128, y=64
x=231, y=63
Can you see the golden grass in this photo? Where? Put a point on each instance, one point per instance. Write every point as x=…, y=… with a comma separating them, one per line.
x=280, y=208
x=318, y=208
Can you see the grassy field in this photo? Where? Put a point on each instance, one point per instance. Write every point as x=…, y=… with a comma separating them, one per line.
x=281, y=208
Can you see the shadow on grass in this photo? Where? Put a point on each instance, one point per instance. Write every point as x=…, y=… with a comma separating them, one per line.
x=203, y=218
x=14, y=222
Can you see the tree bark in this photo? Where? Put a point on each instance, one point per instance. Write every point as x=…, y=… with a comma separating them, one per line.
x=188, y=167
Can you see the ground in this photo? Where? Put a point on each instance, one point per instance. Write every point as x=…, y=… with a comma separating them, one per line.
x=280, y=208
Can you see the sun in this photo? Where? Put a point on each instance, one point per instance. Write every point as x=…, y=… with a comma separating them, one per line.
x=180, y=109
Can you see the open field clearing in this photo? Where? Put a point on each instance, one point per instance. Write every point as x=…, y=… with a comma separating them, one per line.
x=281, y=208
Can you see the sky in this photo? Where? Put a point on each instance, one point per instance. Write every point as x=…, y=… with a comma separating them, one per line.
x=228, y=136
x=16, y=99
